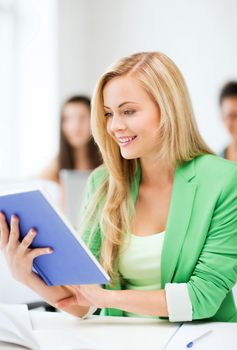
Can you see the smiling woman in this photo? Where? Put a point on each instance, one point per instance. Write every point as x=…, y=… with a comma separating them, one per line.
x=155, y=181
x=160, y=214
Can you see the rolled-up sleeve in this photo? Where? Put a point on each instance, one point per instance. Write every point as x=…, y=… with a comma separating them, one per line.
x=178, y=302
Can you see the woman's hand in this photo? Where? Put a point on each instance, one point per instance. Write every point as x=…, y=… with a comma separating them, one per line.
x=18, y=255
x=87, y=295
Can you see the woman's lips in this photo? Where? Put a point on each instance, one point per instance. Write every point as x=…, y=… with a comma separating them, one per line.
x=125, y=141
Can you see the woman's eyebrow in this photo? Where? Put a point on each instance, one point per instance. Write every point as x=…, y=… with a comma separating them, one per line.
x=122, y=104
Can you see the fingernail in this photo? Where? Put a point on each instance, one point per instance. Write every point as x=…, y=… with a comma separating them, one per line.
x=49, y=250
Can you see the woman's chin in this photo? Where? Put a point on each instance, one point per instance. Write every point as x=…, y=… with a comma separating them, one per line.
x=129, y=155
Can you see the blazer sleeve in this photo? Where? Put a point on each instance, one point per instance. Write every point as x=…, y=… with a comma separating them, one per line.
x=215, y=273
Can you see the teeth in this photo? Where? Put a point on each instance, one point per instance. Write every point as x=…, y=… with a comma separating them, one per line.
x=127, y=139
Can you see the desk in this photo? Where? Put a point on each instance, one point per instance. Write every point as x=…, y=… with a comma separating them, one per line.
x=108, y=333
x=125, y=333
x=61, y=331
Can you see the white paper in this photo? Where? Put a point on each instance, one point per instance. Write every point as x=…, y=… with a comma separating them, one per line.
x=223, y=335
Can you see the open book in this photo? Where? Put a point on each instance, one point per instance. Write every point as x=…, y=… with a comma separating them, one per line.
x=16, y=329
x=15, y=326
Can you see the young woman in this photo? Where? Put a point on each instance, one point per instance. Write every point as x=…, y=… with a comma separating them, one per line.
x=160, y=214
x=77, y=148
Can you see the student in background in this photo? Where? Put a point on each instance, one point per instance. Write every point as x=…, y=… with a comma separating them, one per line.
x=160, y=214
x=77, y=147
x=228, y=104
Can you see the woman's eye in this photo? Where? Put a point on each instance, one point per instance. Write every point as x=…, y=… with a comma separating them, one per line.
x=108, y=114
x=129, y=111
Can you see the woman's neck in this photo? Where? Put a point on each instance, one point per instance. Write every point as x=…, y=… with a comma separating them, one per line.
x=155, y=174
x=81, y=160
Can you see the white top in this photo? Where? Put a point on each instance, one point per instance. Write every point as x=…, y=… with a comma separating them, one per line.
x=139, y=261
x=139, y=265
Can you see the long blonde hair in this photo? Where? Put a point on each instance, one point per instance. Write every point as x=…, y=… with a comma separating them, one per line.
x=178, y=132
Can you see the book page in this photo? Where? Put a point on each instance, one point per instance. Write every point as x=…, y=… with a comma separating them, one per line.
x=15, y=326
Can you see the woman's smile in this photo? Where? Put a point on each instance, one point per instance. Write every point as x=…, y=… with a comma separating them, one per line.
x=124, y=141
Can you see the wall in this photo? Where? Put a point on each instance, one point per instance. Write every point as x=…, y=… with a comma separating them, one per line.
x=29, y=100
x=198, y=35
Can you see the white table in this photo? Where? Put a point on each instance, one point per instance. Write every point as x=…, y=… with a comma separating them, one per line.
x=108, y=333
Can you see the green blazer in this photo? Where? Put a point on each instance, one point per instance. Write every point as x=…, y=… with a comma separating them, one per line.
x=200, y=245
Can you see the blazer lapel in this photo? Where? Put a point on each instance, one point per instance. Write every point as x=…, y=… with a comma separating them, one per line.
x=183, y=193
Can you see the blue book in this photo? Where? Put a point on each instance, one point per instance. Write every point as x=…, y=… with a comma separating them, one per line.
x=71, y=262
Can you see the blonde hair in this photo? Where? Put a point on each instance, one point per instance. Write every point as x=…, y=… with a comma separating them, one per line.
x=178, y=132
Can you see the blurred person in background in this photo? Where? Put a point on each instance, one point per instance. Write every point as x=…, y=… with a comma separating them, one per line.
x=228, y=104
x=77, y=148
x=78, y=155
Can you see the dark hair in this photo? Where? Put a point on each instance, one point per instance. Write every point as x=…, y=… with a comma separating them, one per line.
x=228, y=90
x=66, y=160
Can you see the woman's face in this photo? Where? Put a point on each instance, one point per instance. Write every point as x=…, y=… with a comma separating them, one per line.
x=132, y=117
x=76, y=123
x=229, y=113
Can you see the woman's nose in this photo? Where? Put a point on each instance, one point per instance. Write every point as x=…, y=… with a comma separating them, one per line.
x=117, y=123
